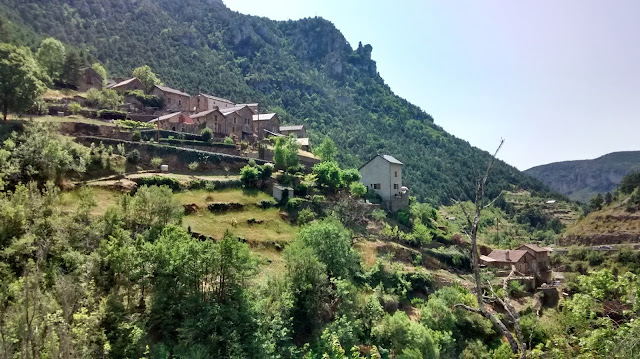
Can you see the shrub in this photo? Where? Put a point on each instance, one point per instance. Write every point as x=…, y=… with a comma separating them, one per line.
x=305, y=216
x=228, y=141
x=266, y=171
x=207, y=134
x=75, y=108
x=357, y=189
x=146, y=100
x=293, y=204
x=515, y=288
x=378, y=214
x=193, y=166
x=249, y=176
x=172, y=183
x=133, y=157
x=112, y=115
x=156, y=162
x=136, y=136
x=329, y=174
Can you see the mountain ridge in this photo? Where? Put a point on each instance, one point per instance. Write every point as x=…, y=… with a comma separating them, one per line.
x=304, y=70
x=582, y=179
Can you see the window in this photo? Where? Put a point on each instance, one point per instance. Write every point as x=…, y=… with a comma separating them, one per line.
x=179, y=102
x=376, y=186
x=233, y=129
x=215, y=117
x=173, y=128
x=395, y=186
x=168, y=99
x=235, y=120
x=396, y=173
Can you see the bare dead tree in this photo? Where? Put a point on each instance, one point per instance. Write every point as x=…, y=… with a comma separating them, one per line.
x=516, y=342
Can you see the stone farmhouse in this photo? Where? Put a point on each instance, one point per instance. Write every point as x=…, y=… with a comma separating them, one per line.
x=128, y=85
x=383, y=175
x=174, y=100
x=265, y=122
x=177, y=121
x=89, y=79
x=203, y=102
x=297, y=130
x=528, y=260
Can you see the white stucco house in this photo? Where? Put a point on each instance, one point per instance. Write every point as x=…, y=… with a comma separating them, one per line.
x=383, y=174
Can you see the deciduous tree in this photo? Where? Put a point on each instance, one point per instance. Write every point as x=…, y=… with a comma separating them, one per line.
x=51, y=56
x=21, y=79
x=147, y=77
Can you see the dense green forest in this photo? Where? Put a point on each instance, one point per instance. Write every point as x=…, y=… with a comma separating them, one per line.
x=303, y=70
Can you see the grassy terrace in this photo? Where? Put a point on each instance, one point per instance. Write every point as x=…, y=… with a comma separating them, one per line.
x=72, y=118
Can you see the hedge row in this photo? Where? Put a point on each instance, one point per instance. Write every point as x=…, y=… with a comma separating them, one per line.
x=167, y=133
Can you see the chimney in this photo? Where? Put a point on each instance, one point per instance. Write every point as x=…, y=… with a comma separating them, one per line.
x=507, y=257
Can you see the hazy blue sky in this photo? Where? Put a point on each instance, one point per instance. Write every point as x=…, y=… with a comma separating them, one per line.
x=559, y=80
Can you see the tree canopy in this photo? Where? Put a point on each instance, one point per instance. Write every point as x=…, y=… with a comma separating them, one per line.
x=21, y=79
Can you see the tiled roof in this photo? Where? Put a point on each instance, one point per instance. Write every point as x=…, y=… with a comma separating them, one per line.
x=203, y=113
x=216, y=98
x=228, y=110
x=165, y=117
x=501, y=255
x=536, y=248
x=263, y=116
x=169, y=89
x=291, y=128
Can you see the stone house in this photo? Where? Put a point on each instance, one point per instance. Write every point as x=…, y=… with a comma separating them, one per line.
x=383, y=174
x=253, y=106
x=304, y=143
x=203, y=102
x=177, y=121
x=128, y=85
x=89, y=79
x=174, y=100
x=213, y=119
x=297, y=130
x=529, y=260
x=265, y=121
x=504, y=259
x=239, y=122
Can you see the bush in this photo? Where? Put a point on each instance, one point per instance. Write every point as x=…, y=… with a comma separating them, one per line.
x=74, y=108
x=207, y=134
x=305, y=216
x=266, y=171
x=378, y=214
x=228, y=141
x=294, y=204
x=156, y=162
x=193, y=166
x=136, y=136
x=146, y=100
x=329, y=174
x=112, y=115
x=515, y=288
x=133, y=157
x=172, y=183
x=249, y=176
x=357, y=189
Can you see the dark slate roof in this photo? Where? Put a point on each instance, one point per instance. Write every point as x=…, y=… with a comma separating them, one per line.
x=203, y=113
x=169, y=89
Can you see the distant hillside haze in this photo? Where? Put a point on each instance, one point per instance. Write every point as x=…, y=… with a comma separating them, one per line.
x=303, y=70
x=581, y=180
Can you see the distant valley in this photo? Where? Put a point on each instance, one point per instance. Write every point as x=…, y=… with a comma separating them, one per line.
x=581, y=180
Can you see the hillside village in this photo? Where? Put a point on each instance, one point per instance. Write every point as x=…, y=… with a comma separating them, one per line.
x=180, y=112
x=137, y=220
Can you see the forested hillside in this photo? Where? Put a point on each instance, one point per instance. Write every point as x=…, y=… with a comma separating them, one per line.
x=303, y=70
x=581, y=180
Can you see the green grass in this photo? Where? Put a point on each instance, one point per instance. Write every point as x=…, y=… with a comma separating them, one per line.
x=104, y=198
x=75, y=118
x=274, y=228
x=202, y=197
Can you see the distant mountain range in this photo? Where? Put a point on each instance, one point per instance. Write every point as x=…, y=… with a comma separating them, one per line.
x=581, y=180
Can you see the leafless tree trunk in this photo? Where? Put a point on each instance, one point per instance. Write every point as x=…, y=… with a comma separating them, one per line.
x=517, y=343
